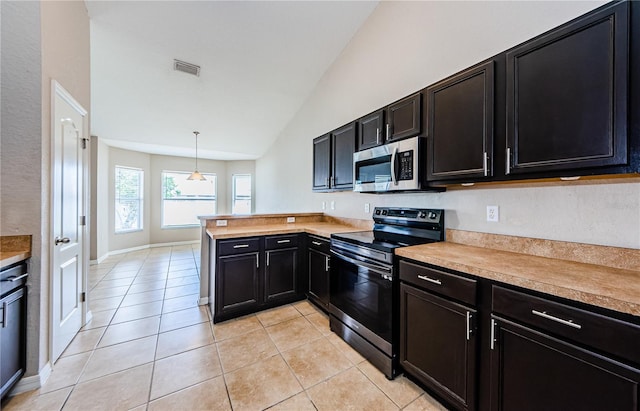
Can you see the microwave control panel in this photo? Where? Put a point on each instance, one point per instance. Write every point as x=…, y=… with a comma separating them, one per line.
x=405, y=166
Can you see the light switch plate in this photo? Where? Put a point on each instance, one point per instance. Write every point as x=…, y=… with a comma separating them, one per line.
x=324, y=205
x=221, y=223
x=291, y=219
x=333, y=205
x=367, y=207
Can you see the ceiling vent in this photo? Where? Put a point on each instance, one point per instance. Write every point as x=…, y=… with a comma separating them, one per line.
x=185, y=67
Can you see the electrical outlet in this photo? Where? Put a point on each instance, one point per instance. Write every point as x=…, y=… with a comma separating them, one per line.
x=493, y=214
x=291, y=219
x=333, y=205
x=221, y=223
x=324, y=205
x=367, y=207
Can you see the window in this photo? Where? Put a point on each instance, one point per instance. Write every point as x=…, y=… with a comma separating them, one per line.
x=184, y=200
x=128, y=199
x=241, y=194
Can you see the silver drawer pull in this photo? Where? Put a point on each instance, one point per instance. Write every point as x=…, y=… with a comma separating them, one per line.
x=13, y=279
x=543, y=314
x=241, y=246
x=431, y=280
x=283, y=241
x=316, y=243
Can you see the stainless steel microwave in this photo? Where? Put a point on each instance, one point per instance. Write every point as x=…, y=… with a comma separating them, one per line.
x=394, y=166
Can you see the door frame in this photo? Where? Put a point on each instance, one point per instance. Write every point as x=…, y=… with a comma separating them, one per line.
x=58, y=90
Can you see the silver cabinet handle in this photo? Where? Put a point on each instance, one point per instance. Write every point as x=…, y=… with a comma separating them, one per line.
x=241, y=246
x=283, y=241
x=257, y=260
x=377, y=135
x=544, y=314
x=316, y=243
x=388, y=131
x=13, y=279
x=326, y=263
x=431, y=280
x=4, y=314
x=268, y=254
x=485, y=163
x=493, y=333
x=468, y=325
x=507, y=169
x=61, y=240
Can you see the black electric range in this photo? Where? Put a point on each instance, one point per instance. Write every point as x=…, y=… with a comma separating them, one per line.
x=364, y=297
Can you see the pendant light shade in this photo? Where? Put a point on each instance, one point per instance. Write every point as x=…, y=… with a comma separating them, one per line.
x=196, y=174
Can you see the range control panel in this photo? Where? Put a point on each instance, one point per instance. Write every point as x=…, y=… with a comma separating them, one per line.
x=408, y=214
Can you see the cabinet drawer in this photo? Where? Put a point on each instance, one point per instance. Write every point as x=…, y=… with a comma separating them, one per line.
x=318, y=243
x=12, y=278
x=450, y=285
x=584, y=327
x=239, y=246
x=281, y=241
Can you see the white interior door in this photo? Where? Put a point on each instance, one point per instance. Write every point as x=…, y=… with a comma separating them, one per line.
x=69, y=226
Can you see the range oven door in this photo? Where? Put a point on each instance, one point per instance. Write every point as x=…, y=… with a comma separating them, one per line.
x=362, y=297
x=391, y=167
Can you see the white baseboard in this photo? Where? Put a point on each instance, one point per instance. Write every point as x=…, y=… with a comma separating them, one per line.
x=33, y=382
x=142, y=247
x=203, y=300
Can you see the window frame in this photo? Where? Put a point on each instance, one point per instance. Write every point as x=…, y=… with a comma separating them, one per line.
x=162, y=198
x=140, y=200
x=233, y=192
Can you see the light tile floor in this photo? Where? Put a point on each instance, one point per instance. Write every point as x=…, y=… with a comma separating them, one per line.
x=150, y=346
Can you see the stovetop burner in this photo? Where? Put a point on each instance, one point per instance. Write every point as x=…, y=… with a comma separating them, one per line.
x=398, y=227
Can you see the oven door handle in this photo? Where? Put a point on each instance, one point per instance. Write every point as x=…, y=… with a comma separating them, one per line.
x=375, y=268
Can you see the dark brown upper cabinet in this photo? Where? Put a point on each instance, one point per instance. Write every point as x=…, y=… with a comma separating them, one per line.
x=370, y=130
x=567, y=94
x=333, y=159
x=460, y=115
x=404, y=118
x=321, y=162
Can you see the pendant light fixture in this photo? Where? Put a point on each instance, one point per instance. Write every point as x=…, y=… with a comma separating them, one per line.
x=196, y=174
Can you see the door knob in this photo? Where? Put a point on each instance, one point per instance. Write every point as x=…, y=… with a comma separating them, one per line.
x=63, y=240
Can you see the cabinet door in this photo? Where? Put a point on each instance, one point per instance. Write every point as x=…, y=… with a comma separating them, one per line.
x=319, y=277
x=321, y=162
x=533, y=371
x=567, y=96
x=404, y=118
x=438, y=344
x=460, y=124
x=12, y=339
x=237, y=283
x=370, y=130
x=343, y=146
x=281, y=274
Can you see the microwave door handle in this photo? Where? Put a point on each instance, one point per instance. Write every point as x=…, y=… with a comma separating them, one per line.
x=394, y=178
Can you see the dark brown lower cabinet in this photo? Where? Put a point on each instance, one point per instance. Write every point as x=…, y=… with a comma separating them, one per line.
x=237, y=283
x=12, y=339
x=281, y=274
x=319, y=278
x=531, y=370
x=438, y=346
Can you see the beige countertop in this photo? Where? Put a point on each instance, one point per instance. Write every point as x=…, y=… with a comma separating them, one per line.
x=14, y=249
x=323, y=229
x=608, y=287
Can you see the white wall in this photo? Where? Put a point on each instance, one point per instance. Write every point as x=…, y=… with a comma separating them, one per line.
x=402, y=48
x=107, y=158
x=41, y=41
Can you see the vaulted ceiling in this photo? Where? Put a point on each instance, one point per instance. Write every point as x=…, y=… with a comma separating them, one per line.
x=259, y=60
